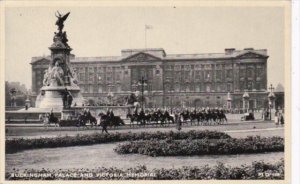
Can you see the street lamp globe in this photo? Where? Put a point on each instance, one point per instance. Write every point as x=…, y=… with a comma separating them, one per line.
x=246, y=96
x=271, y=96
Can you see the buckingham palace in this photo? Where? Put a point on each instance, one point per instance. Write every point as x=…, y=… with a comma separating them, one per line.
x=170, y=80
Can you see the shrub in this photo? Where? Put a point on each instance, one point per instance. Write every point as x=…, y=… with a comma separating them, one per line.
x=16, y=145
x=202, y=146
x=258, y=170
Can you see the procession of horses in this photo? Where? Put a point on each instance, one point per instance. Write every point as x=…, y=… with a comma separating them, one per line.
x=141, y=118
x=164, y=117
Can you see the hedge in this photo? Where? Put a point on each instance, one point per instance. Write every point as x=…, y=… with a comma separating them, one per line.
x=20, y=144
x=255, y=171
x=190, y=147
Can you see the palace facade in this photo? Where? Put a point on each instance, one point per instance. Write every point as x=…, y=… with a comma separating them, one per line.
x=172, y=80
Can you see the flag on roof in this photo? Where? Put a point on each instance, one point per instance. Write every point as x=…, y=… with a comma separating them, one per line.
x=148, y=26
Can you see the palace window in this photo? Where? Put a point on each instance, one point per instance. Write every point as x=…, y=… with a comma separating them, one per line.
x=80, y=69
x=218, y=87
x=187, y=67
x=242, y=72
x=208, y=88
x=207, y=75
x=250, y=72
x=118, y=76
x=100, y=89
x=229, y=74
x=90, y=88
x=198, y=75
x=187, y=75
x=167, y=87
x=250, y=85
x=259, y=86
x=99, y=77
x=177, y=87
x=177, y=76
x=187, y=89
x=91, y=76
x=168, y=74
x=111, y=88
x=260, y=71
x=177, y=67
x=81, y=76
x=229, y=87
x=182, y=87
x=219, y=74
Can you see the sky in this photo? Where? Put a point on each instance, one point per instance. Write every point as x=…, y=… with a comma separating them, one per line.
x=105, y=31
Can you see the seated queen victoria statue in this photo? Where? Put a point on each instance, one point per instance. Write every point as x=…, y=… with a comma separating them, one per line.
x=56, y=75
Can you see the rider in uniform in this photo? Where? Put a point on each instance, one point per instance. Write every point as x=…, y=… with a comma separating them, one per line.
x=111, y=114
x=51, y=116
x=166, y=114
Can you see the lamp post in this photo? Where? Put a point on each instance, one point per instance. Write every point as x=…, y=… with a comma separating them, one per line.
x=271, y=97
x=142, y=83
x=27, y=102
x=246, y=101
x=228, y=101
x=110, y=96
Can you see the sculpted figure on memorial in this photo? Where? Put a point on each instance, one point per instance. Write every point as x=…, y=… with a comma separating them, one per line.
x=74, y=76
x=46, y=78
x=57, y=74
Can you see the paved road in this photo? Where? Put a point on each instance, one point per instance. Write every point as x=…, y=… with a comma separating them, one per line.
x=263, y=128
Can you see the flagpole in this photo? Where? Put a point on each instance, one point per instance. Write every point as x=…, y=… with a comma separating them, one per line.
x=146, y=37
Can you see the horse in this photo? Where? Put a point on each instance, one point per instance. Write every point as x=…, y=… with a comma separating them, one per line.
x=221, y=117
x=48, y=120
x=185, y=117
x=85, y=118
x=167, y=118
x=139, y=119
x=81, y=121
x=110, y=121
x=195, y=116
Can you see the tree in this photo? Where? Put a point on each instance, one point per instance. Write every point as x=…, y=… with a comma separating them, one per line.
x=21, y=93
x=279, y=88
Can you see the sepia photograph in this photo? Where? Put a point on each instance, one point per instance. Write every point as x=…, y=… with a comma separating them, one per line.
x=146, y=91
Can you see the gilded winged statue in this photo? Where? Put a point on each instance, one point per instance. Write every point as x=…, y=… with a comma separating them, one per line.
x=60, y=20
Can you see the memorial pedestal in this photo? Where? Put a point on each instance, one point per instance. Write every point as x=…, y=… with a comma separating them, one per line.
x=67, y=114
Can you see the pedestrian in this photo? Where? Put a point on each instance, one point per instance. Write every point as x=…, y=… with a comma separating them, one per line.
x=178, y=121
x=104, y=127
x=277, y=118
x=281, y=119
